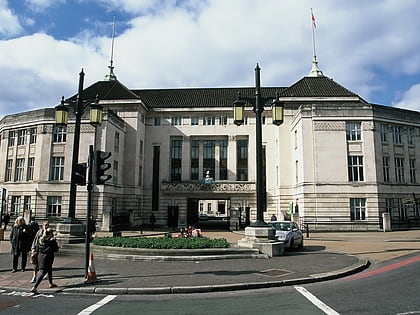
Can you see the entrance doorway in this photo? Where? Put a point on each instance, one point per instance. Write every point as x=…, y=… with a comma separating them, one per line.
x=173, y=213
x=210, y=214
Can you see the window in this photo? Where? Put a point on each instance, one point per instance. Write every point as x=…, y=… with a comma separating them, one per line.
x=388, y=205
x=15, y=206
x=21, y=137
x=385, y=169
x=31, y=167
x=223, y=120
x=140, y=175
x=384, y=133
x=54, y=206
x=195, y=159
x=57, y=168
x=59, y=134
x=157, y=121
x=242, y=160
x=176, y=121
x=410, y=136
x=355, y=165
x=357, y=209
x=397, y=134
x=209, y=207
x=141, y=148
x=115, y=173
x=176, y=159
x=399, y=170
x=402, y=210
x=413, y=178
x=208, y=121
x=116, y=141
x=209, y=158
x=9, y=170
x=296, y=171
x=296, y=139
x=223, y=159
x=27, y=203
x=32, y=135
x=20, y=169
x=11, y=140
x=195, y=121
x=353, y=131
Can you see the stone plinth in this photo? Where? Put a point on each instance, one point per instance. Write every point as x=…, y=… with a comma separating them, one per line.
x=69, y=232
x=262, y=238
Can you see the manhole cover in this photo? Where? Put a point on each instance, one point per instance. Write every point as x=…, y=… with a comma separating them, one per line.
x=274, y=273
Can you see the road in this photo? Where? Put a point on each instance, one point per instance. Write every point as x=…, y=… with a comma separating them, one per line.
x=390, y=287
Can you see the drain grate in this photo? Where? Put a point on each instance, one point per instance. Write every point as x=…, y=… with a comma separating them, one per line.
x=274, y=273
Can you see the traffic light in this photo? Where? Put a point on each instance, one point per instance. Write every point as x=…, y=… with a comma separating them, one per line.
x=101, y=167
x=79, y=175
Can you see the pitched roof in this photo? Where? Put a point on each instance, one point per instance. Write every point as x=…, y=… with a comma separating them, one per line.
x=200, y=97
x=108, y=90
x=317, y=87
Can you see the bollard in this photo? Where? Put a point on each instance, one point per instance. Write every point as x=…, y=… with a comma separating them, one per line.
x=307, y=230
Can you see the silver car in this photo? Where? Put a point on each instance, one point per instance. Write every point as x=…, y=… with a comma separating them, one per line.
x=288, y=232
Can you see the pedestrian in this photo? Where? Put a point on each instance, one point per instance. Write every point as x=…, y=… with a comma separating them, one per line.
x=152, y=221
x=92, y=226
x=20, y=240
x=45, y=247
x=5, y=219
x=34, y=253
x=273, y=217
x=34, y=226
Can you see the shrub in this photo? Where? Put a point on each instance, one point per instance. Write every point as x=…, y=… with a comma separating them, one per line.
x=162, y=242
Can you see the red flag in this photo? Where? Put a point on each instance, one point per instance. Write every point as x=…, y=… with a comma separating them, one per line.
x=313, y=20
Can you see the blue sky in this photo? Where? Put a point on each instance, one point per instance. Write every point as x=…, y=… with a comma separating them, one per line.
x=370, y=47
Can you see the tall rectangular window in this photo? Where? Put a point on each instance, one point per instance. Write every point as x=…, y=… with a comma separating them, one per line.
x=399, y=170
x=208, y=121
x=54, y=206
x=353, y=131
x=156, y=178
x=32, y=135
x=385, y=169
x=402, y=210
x=195, y=159
x=357, y=209
x=413, y=178
x=176, y=159
x=31, y=168
x=20, y=169
x=59, y=134
x=355, y=168
x=157, y=121
x=209, y=158
x=410, y=136
x=116, y=141
x=11, y=139
x=57, y=168
x=9, y=170
x=176, y=121
x=115, y=173
x=242, y=160
x=195, y=121
x=388, y=205
x=27, y=203
x=223, y=120
x=15, y=206
x=21, y=137
x=384, y=133
x=223, y=170
x=397, y=132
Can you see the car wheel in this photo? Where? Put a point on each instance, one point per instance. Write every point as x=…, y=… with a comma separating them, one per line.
x=292, y=244
x=301, y=245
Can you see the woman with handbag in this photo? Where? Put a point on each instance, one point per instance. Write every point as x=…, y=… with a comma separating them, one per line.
x=20, y=241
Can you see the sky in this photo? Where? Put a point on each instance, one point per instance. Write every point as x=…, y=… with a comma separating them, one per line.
x=370, y=47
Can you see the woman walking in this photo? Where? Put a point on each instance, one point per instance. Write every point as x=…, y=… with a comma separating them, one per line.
x=46, y=247
x=20, y=240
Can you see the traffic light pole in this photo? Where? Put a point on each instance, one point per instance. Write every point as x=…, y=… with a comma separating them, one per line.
x=89, y=207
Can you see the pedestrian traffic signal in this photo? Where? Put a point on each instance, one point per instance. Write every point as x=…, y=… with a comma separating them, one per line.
x=79, y=175
x=102, y=167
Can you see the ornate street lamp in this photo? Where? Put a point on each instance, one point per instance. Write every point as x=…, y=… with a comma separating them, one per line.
x=61, y=117
x=258, y=108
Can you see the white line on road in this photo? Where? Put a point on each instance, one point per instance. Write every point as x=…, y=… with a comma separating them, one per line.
x=317, y=302
x=95, y=306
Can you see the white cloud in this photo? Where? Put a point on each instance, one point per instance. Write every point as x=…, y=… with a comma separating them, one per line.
x=9, y=25
x=410, y=99
x=40, y=5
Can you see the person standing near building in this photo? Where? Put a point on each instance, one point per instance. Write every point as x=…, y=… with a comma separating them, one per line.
x=152, y=221
x=92, y=226
x=20, y=240
x=273, y=217
x=5, y=219
x=46, y=248
x=34, y=253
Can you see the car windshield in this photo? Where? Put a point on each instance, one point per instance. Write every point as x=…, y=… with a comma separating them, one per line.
x=282, y=226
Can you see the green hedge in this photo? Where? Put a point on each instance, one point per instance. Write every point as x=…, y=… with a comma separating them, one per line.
x=162, y=242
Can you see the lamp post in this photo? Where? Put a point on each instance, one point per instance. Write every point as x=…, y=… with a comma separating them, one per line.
x=258, y=108
x=61, y=117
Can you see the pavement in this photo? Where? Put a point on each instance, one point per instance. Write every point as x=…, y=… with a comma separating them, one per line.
x=325, y=256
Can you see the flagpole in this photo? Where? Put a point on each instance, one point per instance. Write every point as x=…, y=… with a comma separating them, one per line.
x=313, y=33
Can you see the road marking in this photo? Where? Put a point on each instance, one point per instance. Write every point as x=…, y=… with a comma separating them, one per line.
x=95, y=306
x=315, y=301
x=383, y=269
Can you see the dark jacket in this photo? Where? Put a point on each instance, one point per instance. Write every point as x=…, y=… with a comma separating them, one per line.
x=20, y=239
x=46, y=248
